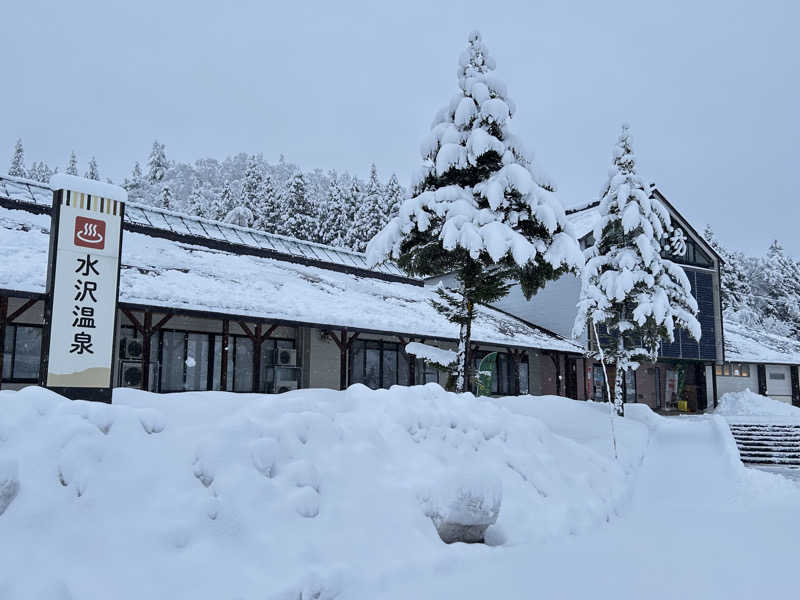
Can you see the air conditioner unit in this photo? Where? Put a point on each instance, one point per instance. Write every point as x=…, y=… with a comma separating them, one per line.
x=133, y=348
x=282, y=386
x=131, y=374
x=286, y=357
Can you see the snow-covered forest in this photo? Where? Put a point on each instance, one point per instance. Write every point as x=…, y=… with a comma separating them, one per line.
x=335, y=208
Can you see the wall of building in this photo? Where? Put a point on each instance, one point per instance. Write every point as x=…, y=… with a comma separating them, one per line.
x=727, y=385
x=324, y=356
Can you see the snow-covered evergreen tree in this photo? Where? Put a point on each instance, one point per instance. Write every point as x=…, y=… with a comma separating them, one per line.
x=778, y=291
x=479, y=209
x=17, y=167
x=225, y=203
x=157, y=163
x=735, y=285
x=331, y=221
x=266, y=207
x=393, y=198
x=197, y=204
x=92, y=172
x=299, y=217
x=349, y=235
x=165, y=200
x=370, y=215
x=637, y=296
x=253, y=189
x=40, y=171
x=72, y=165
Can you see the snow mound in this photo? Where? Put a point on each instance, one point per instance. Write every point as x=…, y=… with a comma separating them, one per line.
x=750, y=404
x=298, y=495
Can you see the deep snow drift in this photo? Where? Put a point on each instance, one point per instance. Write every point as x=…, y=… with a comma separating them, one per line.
x=750, y=404
x=217, y=495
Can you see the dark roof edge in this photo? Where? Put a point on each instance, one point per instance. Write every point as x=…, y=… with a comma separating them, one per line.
x=282, y=322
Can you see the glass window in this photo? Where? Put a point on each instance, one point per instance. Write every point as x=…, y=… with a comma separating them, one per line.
x=24, y=354
x=242, y=364
x=745, y=370
x=777, y=375
x=430, y=374
x=197, y=353
x=523, y=376
x=8, y=347
x=173, y=360
x=377, y=364
x=598, y=384
x=630, y=386
x=372, y=365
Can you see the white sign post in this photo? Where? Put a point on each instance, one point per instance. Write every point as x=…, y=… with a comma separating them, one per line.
x=82, y=288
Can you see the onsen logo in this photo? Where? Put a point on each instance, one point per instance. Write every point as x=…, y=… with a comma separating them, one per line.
x=90, y=233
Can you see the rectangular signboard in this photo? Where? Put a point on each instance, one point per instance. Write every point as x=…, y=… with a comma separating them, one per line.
x=83, y=287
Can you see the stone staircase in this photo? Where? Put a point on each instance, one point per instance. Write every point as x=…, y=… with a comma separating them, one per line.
x=768, y=444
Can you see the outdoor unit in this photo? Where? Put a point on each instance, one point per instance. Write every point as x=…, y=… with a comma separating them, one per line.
x=133, y=349
x=282, y=386
x=131, y=374
x=286, y=357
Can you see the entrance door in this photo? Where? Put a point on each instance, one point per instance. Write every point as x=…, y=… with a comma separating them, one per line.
x=571, y=382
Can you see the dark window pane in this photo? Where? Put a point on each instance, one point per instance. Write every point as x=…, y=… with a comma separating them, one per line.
x=27, y=352
x=173, y=359
x=357, y=362
x=243, y=365
x=402, y=370
x=373, y=367
x=7, y=349
x=389, y=368
x=197, y=349
x=523, y=377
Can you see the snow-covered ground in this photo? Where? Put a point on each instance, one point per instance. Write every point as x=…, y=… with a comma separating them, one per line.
x=325, y=494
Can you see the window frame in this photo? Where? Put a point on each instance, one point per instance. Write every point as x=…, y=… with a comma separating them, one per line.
x=13, y=355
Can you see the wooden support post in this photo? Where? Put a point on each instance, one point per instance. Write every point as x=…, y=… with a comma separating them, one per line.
x=344, y=343
x=223, y=367
x=257, y=358
x=147, y=331
x=3, y=311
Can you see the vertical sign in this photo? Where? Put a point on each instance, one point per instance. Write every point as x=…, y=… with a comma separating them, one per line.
x=82, y=288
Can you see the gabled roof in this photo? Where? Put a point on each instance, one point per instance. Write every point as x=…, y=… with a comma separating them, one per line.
x=175, y=275
x=584, y=216
x=158, y=222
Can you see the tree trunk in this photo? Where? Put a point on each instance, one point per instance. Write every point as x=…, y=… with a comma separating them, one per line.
x=622, y=365
x=464, y=335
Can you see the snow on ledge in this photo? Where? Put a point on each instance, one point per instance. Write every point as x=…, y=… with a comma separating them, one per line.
x=61, y=181
x=431, y=353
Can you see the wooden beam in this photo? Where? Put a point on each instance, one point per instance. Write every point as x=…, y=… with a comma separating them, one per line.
x=3, y=311
x=20, y=310
x=257, y=358
x=134, y=321
x=269, y=331
x=246, y=329
x=161, y=323
x=147, y=333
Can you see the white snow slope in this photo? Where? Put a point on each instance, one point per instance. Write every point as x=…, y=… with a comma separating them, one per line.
x=216, y=495
x=323, y=494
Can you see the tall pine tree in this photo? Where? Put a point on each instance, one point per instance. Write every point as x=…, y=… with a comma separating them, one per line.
x=72, y=165
x=735, y=287
x=370, y=216
x=478, y=209
x=157, y=163
x=17, y=167
x=628, y=289
x=92, y=172
x=299, y=217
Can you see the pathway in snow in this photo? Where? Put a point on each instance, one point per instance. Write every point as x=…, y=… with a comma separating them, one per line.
x=692, y=529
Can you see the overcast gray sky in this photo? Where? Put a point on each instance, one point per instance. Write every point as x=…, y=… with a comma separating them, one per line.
x=711, y=90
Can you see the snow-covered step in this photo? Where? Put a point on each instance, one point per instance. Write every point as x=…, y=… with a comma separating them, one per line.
x=768, y=444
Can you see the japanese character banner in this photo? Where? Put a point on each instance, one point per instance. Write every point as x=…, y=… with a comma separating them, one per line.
x=84, y=291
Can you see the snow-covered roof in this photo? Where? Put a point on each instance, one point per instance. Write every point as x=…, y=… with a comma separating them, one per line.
x=582, y=218
x=165, y=273
x=141, y=216
x=751, y=344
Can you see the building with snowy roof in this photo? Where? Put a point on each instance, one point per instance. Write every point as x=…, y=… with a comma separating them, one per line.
x=686, y=369
x=206, y=305
x=759, y=361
